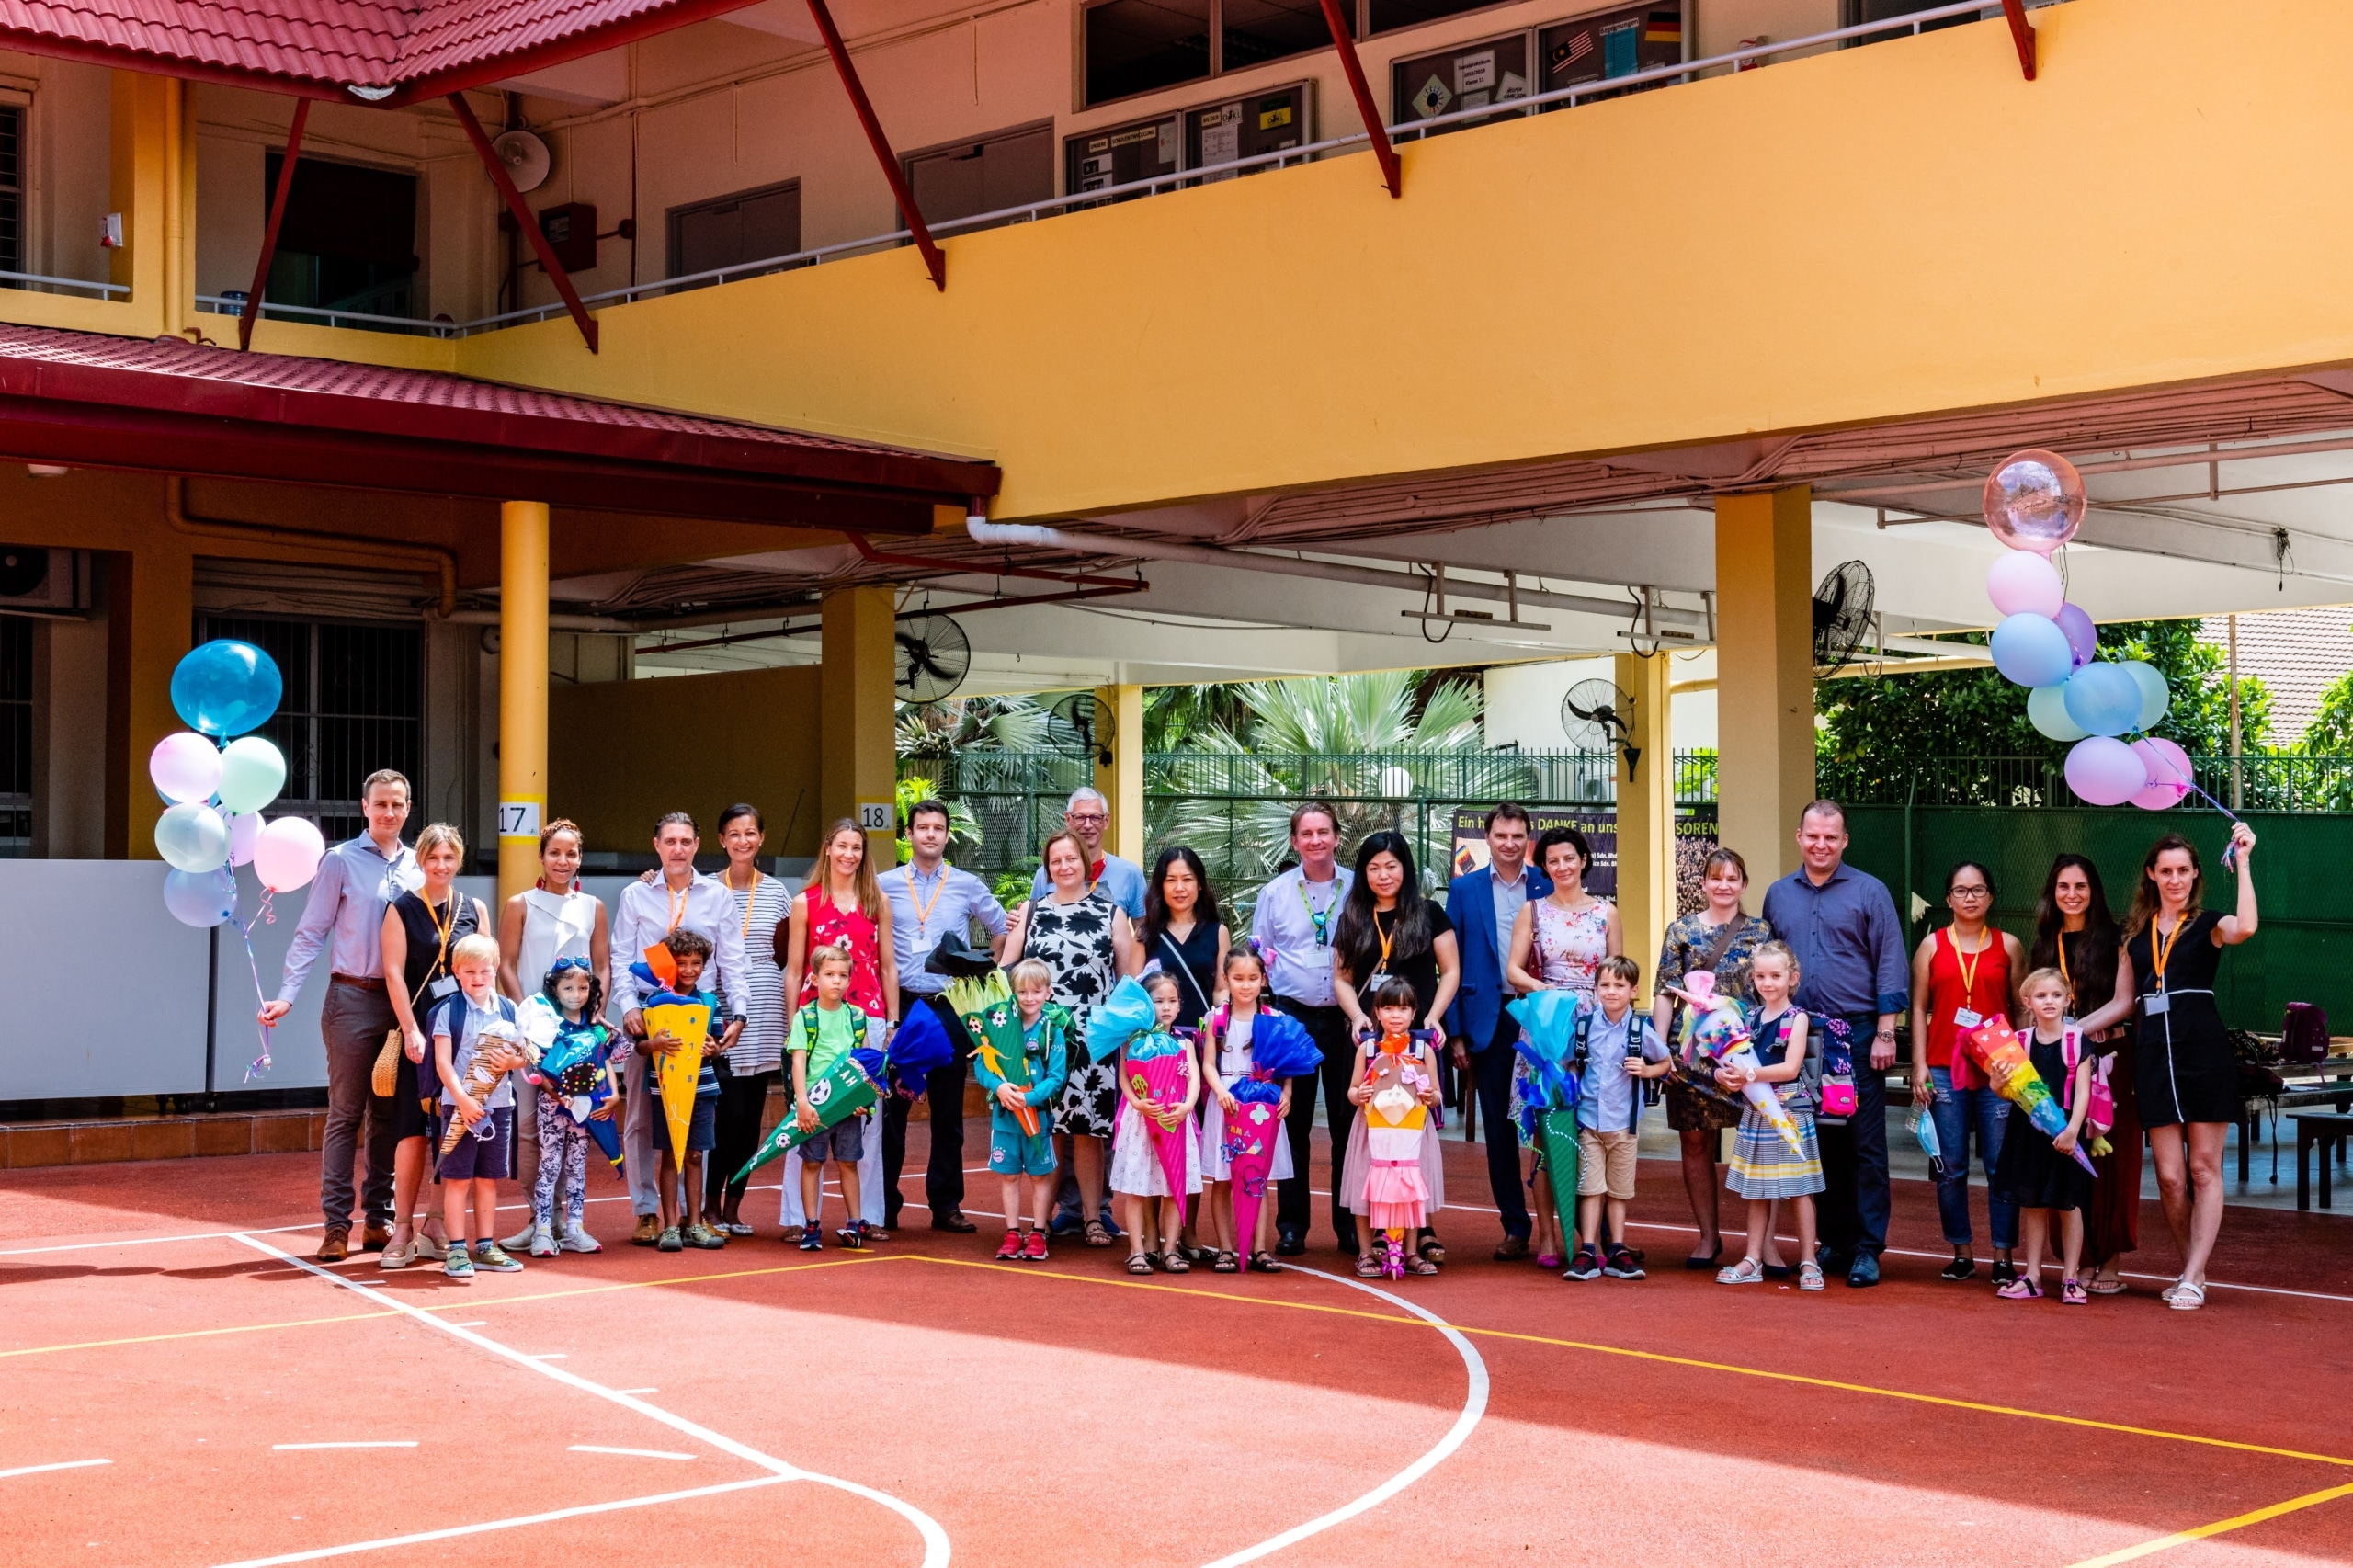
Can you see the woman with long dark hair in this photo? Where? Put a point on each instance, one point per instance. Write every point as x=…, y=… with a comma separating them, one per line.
x=2075, y=934
x=1387, y=927
x=1182, y=933
x=2185, y=1079
x=1964, y=974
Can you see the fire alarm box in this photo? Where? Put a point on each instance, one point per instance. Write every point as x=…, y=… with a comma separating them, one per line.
x=571, y=233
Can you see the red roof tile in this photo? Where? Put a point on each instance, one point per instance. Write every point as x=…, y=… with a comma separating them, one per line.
x=326, y=47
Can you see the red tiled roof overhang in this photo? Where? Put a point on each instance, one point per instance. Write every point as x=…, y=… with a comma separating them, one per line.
x=171, y=406
x=418, y=49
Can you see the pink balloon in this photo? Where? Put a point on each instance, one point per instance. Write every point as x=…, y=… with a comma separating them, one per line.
x=2022, y=583
x=245, y=833
x=2082, y=635
x=2169, y=768
x=2103, y=771
x=2034, y=501
x=186, y=767
x=286, y=855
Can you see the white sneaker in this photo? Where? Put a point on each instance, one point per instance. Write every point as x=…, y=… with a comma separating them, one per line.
x=521, y=1238
x=541, y=1240
x=430, y=1249
x=575, y=1238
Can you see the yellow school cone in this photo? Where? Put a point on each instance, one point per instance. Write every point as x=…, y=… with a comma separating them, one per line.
x=681, y=1069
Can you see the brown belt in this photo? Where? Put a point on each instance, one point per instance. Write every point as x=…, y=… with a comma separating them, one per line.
x=365, y=981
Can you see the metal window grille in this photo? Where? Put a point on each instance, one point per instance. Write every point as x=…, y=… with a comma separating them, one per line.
x=16, y=734
x=354, y=702
x=12, y=189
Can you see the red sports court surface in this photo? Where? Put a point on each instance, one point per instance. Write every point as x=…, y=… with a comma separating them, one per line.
x=182, y=1386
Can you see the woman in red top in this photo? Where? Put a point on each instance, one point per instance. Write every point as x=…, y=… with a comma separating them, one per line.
x=1960, y=978
x=844, y=905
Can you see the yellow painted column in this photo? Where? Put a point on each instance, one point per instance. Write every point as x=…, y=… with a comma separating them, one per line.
x=1646, y=812
x=1764, y=674
x=150, y=605
x=152, y=183
x=1121, y=779
x=857, y=765
x=522, y=692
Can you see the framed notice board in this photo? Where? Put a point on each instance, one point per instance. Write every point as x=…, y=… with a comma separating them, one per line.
x=1121, y=154
x=1606, y=44
x=1244, y=127
x=1469, y=76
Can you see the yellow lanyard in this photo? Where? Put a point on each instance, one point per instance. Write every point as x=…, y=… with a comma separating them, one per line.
x=677, y=904
x=2164, y=953
x=441, y=928
x=1384, y=937
x=923, y=911
x=2063, y=975
x=1968, y=969
x=750, y=893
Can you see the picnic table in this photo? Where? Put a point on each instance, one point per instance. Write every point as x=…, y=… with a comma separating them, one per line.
x=2328, y=1081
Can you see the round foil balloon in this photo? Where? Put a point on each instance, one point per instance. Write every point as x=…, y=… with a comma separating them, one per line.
x=252, y=773
x=2082, y=635
x=2046, y=710
x=201, y=899
x=2105, y=772
x=2103, y=701
x=185, y=767
x=192, y=837
x=2022, y=583
x=2169, y=768
x=2032, y=651
x=285, y=855
x=2035, y=501
x=226, y=687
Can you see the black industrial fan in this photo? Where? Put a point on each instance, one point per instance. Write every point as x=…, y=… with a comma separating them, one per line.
x=1842, y=614
x=1597, y=715
x=934, y=657
x=1090, y=720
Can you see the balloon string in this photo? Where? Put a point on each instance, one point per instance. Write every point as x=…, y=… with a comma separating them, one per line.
x=261, y=1064
x=2230, y=850
x=268, y=915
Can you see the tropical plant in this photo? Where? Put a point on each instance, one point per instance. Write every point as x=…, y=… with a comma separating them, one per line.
x=964, y=724
x=1174, y=716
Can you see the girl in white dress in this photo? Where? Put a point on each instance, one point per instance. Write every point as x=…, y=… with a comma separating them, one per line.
x=1226, y=1059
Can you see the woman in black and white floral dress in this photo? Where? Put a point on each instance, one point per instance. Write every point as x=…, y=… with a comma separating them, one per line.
x=1086, y=939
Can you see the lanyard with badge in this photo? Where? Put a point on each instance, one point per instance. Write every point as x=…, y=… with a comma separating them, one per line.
x=2161, y=947
x=1965, y=1017
x=923, y=911
x=1380, y=971
x=444, y=985
x=1321, y=919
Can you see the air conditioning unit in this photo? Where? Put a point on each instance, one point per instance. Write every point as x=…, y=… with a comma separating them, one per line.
x=35, y=580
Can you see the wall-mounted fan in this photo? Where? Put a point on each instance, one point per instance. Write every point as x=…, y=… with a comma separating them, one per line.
x=934, y=658
x=1842, y=613
x=1598, y=715
x=1090, y=719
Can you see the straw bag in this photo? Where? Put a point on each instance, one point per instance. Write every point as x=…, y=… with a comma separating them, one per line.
x=387, y=1076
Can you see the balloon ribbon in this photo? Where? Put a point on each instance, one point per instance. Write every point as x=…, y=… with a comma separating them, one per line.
x=260, y=1064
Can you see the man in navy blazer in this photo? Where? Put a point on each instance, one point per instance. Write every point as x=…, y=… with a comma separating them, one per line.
x=1483, y=904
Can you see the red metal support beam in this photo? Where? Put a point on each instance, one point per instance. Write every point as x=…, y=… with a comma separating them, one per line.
x=1376, y=127
x=524, y=220
x=2021, y=34
x=277, y=217
x=934, y=262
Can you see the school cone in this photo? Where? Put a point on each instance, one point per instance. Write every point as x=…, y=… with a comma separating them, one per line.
x=679, y=1070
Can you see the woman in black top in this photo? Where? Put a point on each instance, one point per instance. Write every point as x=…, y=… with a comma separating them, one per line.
x=1387, y=927
x=1182, y=933
x=420, y=928
x=2075, y=934
x=2185, y=1078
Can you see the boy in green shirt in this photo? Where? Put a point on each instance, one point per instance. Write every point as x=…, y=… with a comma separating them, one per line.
x=839, y=1026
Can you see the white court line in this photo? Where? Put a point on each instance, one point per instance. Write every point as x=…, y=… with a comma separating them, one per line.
x=393, y=1443
x=935, y=1540
x=455, y=1530
x=633, y=1391
x=1474, y=1408
x=549, y=1355
x=628, y=1453
x=43, y=1469
x=476, y=1323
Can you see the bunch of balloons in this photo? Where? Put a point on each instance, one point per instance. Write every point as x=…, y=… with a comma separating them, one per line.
x=2034, y=504
x=215, y=792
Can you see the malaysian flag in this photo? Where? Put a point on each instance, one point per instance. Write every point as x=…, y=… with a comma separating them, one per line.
x=1576, y=48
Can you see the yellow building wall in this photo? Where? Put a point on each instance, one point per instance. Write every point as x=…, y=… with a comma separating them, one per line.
x=622, y=753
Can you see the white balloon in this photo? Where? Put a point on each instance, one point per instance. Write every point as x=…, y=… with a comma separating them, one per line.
x=244, y=832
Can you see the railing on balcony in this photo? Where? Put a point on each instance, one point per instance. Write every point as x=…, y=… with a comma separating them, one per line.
x=40, y=282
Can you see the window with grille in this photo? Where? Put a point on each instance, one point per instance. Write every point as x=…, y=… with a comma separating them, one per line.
x=354, y=702
x=16, y=734
x=12, y=188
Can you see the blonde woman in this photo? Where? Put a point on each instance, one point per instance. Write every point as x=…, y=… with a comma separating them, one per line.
x=420, y=929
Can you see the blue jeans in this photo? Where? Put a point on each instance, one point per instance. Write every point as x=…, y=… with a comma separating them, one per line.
x=1960, y=1113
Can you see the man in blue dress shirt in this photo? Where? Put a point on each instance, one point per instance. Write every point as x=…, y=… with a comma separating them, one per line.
x=1483, y=905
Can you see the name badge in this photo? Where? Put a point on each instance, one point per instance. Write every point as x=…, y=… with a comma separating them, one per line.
x=1964, y=1018
x=2156, y=1003
x=444, y=986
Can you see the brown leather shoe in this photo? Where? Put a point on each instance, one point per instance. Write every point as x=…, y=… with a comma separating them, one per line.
x=335, y=1245
x=648, y=1231
x=375, y=1238
x=953, y=1220
x=1513, y=1250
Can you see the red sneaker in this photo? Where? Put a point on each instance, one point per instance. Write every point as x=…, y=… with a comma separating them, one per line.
x=1011, y=1250
x=1036, y=1251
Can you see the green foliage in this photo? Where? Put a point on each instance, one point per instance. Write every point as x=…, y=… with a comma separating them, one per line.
x=2331, y=730
x=1012, y=887
x=1175, y=716
x=961, y=723
x=1869, y=732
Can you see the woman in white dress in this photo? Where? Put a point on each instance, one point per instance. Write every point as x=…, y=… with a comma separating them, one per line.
x=550, y=920
x=754, y=1064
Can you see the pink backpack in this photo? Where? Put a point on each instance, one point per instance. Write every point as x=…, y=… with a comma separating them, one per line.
x=2100, y=1114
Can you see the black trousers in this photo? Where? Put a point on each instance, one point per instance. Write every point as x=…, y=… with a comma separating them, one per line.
x=1328, y=1027
x=735, y=1132
x=1491, y=1068
x=943, y=1177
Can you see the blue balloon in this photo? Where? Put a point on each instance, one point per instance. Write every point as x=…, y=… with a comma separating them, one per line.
x=226, y=687
x=2103, y=699
x=201, y=899
x=2032, y=651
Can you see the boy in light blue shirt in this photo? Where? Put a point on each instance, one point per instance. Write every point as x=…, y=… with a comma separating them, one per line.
x=1616, y=1048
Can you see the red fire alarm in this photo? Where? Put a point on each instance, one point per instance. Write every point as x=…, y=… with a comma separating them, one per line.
x=571, y=232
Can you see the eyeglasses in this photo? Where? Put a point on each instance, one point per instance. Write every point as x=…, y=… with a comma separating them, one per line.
x=1971, y=893
x=1085, y=819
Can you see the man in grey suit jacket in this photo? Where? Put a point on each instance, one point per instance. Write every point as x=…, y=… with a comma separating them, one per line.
x=1483, y=904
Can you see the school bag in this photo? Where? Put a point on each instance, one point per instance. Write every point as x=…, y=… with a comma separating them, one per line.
x=2303, y=1035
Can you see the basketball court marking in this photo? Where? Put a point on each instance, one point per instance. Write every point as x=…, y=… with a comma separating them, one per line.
x=2220, y=1527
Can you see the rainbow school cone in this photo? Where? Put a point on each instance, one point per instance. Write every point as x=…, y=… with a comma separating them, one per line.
x=680, y=1070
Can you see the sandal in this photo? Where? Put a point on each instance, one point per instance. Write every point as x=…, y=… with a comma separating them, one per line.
x=2021, y=1289
x=1421, y=1265
x=1264, y=1263
x=2188, y=1295
x=2099, y=1287
x=1225, y=1263
x=1097, y=1233
x=1432, y=1250
x=1747, y=1271
x=1367, y=1267
x=1175, y=1262
x=1809, y=1275
x=2073, y=1294
x=1140, y=1264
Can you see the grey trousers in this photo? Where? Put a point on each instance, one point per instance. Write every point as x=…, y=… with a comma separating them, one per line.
x=353, y=1024
x=638, y=1162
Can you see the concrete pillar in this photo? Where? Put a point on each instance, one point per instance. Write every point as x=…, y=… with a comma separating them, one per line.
x=1646, y=812
x=1121, y=779
x=151, y=612
x=1764, y=674
x=152, y=182
x=858, y=764
x=522, y=691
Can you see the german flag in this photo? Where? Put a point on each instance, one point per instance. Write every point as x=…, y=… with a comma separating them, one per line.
x=1664, y=27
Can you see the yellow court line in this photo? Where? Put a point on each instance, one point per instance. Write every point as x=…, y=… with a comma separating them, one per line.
x=2202, y=1532
x=469, y=1304
x=1657, y=1358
